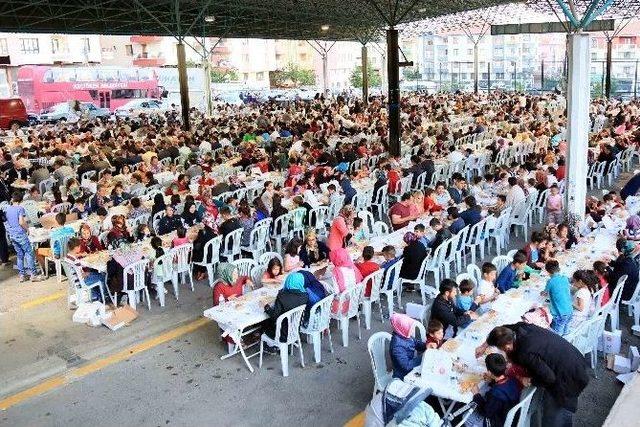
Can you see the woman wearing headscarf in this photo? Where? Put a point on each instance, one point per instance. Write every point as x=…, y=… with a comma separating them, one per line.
x=292, y=295
x=345, y=275
x=189, y=214
x=313, y=251
x=632, y=232
x=340, y=228
x=405, y=351
x=412, y=256
x=230, y=285
x=625, y=264
x=158, y=204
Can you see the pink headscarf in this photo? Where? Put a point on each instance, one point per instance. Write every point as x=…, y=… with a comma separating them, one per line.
x=340, y=258
x=402, y=324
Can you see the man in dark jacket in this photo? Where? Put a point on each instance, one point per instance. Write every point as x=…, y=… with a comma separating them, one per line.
x=551, y=361
x=445, y=310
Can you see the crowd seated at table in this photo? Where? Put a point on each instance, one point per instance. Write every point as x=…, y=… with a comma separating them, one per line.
x=318, y=181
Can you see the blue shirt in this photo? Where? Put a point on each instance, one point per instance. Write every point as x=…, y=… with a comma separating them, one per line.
x=506, y=279
x=58, y=233
x=559, y=292
x=13, y=214
x=534, y=256
x=456, y=226
x=464, y=302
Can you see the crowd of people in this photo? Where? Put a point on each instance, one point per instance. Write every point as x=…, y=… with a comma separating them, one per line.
x=100, y=185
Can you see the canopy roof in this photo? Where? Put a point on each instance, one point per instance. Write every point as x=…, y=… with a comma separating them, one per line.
x=274, y=19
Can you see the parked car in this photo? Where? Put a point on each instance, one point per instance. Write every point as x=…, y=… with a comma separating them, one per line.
x=64, y=112
x=136, y=107
x=12, y=111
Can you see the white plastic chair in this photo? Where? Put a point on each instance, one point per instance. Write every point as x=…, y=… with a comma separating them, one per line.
x=522, y=410
x=268, y=256
x=183, y=267
x=280, y=231
x=380, y=229
x=318, y=219
x=377, y=346
x=61, y=207
x=475, y=273
x=319, y=322
x=164, y=264
x=77, y=284
x=297, y=218
x=380, y=203
x=62, y=243
x=367, y=302
x=258, y=240
x=584, y=335
x=633, y=305
x=501, y=262
x=211, y=252
x=421, y=281
x=138, y=270
x=230, y=249
x=352, y=296
x=292, y=318
x=367, y=222
x=499, y=230
x=519, y=217
x=613, y=306
x=390, y=285
x=244, y=266
x=512, y=253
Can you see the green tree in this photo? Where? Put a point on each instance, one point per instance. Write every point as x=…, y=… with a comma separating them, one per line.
x=292, y=75
x=412, y=73
x=223, y=75
x=373, y=76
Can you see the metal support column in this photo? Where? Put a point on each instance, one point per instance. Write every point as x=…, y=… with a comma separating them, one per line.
x=184, y=84
x=325, y=73
x=488, y=77
x=393, y=75
x=607, y=74
x=577, y=122
x=206, y=69
x=475, y=68
x=542, y=77
x=365, y=75
x=635, y=82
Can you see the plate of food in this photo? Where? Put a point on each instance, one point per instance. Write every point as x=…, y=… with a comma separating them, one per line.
x=450, y=346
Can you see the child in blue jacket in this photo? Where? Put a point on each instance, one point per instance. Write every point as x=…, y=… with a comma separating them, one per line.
x=503, y=393
x=406, y=351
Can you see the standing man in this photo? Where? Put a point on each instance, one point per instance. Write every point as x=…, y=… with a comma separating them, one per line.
x=17, y=227
x=552, y=362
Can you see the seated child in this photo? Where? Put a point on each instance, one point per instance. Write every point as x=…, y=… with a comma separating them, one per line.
x=181, y=238
x=367, y=266
x=487, y=288
x=435, y=334
x=464, y=299
x=509, y=275
x=503, y=394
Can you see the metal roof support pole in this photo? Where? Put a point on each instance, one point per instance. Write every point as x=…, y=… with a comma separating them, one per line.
x=475, y=68
x=206, y=68
x=607, y=72
x=365, y=74
x=577, y=122
x=393, y=76
x=184, y=84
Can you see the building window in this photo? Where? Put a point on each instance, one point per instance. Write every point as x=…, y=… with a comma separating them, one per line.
x=128, y=49
x=627, y=55
x=500, y=76
x=4, y=50
x=86, y=45
x=455, y=51
x=260, y=76
x=245, y=58
x=469, y=51
x=55, y=45
x=245, y=77
x=303, y=56
x=29, y=46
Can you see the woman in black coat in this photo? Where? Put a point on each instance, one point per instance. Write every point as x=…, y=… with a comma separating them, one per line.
x=412, y=257
x=292, y=295
x=625, y=264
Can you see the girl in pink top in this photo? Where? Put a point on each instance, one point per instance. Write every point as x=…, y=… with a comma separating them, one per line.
x=181, y=238
x=554, y=205
x=340, y=228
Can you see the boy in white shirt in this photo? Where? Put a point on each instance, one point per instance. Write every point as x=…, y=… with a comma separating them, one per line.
x=487, y=286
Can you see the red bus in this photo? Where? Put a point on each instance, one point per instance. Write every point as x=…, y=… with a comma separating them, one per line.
x=42, y=86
